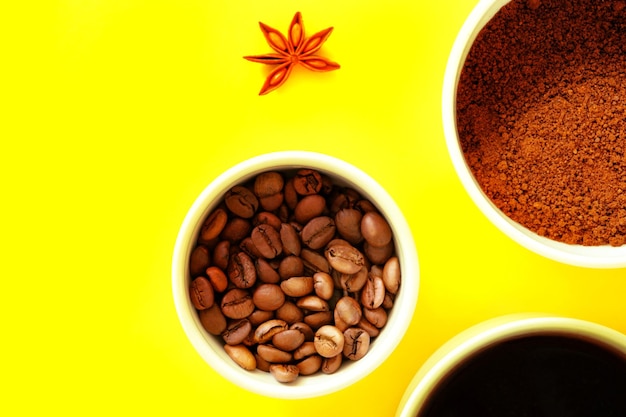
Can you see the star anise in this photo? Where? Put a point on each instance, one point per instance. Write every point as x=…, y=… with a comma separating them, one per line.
x=292, y=50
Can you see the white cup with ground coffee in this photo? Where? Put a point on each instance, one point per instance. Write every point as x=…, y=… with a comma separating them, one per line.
x=535, y=124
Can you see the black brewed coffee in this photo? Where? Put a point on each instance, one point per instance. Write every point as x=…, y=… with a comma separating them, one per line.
x=535, y=376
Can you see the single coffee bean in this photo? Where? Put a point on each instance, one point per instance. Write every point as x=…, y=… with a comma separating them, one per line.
x=237, y=332
x=217, y=277
x=284, y=373
x=312, y=302
x=331, y=365
x=221, y=254
x=319, y=319
x=199, y=260
x=268, y=297
x=354, y=282
x=290, y=239
x=267, y=217
x=365, y=324
x=373, y=293
x=388, y=301
x=338, y=321
x=357, y=343
x=262, y=364
x=309, y=207
x=376, y=316
x=265, y=331
x=297, y=287
x=307, y=181
x=329, y=341
x=290, y=313
x=375, y=229
x=318, y=232
x=242, y=356
x=213, y=320
x=214, y=224
x=290, y=266
x=237, y=304
x=267, y=241
x=288, y=340
x=268, y=187
x=202, y=295
x=348, y=223
x=314, y=262
x=241, y=201
x=265, y=272
x=324, y=285
x=247, y=245
x=310, y=365
x=304, y=350
x=236, y=230
x=391, y=275
x=378, y=254
x=241, y=270
x=290, y=195
x=344, y=259
x=349, y=310
x=273, y=354
x=260, y=316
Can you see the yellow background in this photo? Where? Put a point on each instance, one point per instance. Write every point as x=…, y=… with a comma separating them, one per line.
x=117, y=113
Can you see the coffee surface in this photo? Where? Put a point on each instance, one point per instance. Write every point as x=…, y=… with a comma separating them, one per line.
x=536, y=376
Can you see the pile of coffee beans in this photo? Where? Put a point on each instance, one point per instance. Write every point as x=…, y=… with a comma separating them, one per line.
x=295, y=273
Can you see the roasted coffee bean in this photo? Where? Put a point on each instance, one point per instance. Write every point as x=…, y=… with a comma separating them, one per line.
x=354, y=282
x=388, y=301
x=236, y=230
x=213, y=320
x=221, y=254
x=217, y=277
x=265, y=272
x=391, y=275
x=331, y=365
x=376, y=316
x=375, y=229
x=372, y=330
x=348, y=223
x=309, y=207
x=290, y=313
x=265, y=331
x=199, y=260
x=307, y=181
x=378, y=254
x=214, y=224
x=284, y=373
x=349, y=310
x=329, y=341
x=242, y=356
x=319, y=319
x=267, y=217
x=323, y=284
x=305, y=349
x=288, y=340
x=260, y=316
x=357, y=343
x=344, y=259
x=241, y=270
x=305, y=329
x=241, y=201
x=237, y=304
x=202, y=294
x=268, y=187
x=314, y=262
x=247, y=245
x=262, y=364
x=268, y=297
x=312, y=302
x=338, y=321
x=373, y=293
x=290, y=239
x=297, y=287
x=272, y=354
x=291, y=196
x=237, y=332
x=318, y=232
x=290, y=266
x=310, y=365
x=267, y=241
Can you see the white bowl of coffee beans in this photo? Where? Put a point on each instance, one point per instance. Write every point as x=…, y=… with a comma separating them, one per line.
x=534, y=124
x=295, y=274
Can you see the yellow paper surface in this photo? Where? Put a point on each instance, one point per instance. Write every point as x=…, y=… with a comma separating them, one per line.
x=117, y=113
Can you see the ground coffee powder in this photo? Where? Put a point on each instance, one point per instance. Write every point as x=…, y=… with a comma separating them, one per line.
x=541, y=117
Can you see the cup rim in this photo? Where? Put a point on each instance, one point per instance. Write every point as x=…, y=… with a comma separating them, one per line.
x=489, y=332
x=604, y=256
x=311, y=386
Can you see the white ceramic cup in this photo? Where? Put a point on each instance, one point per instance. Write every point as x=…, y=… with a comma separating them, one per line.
x=488, y=333
x=586, y=256
x=211, y=348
